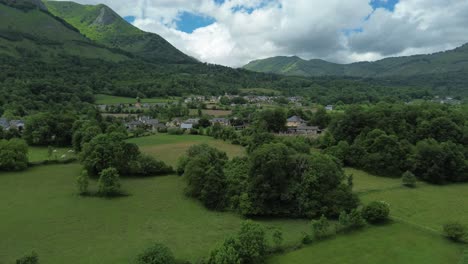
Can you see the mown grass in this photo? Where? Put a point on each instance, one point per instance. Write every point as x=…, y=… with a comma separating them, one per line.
x=110, y=99
x=388, y=244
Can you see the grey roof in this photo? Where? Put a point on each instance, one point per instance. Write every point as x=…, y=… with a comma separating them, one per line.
x=4, y=123
x=308, y=128
x=295, y=119
x=192, y=121
x=186, y=126
x=219, y=120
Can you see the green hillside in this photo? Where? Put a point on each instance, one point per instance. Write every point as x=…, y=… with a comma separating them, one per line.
x=103, y=25
x=28, y=30
x=438, y=63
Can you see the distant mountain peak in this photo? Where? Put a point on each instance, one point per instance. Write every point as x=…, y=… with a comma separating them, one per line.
x=106, y=16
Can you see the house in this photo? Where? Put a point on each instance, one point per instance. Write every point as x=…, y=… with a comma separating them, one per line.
x=329, y=107
x=17, y=124
x=221, y=121
x=305, y=130
x=186, y=126
x=4, y=124
x=174, y=123
x=193, y=121
x=132, y=125
x=295, y=121
x=12, y=124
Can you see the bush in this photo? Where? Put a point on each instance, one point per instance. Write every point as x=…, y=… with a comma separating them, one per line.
x=277, y=238
x=32, y=258
x=82, y=182
x=175, y=131
x=376, y=212
x=356, y=221
x=109, y=182
x=455, y=231
x=146, y=165
x=156, y=254
x=13, y=155
x=408, y=179
x=322, y=228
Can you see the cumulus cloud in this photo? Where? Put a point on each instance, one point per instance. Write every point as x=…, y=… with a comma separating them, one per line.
x=335, y=30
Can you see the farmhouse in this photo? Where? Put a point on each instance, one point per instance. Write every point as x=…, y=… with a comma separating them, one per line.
x=295, y=121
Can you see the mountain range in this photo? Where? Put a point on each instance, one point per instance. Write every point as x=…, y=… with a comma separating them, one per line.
x=438, y=63
x=45, y=30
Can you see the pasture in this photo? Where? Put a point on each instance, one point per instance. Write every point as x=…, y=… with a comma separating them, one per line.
x=211, y=112
x=42, y=212
x=38, y=154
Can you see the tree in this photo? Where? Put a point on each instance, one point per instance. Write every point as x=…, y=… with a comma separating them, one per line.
x=356, y=220
x=13, y=155
x=228, y=253
x=204, y=173
x=109, y=182
x=49, y=129
x=408, y=179
x=156, y=254
x=455, y=231
x=252, y=242
x=376, y=212
x=321, y=118
x=272, y=120
x=82, y=182
x=32, y=258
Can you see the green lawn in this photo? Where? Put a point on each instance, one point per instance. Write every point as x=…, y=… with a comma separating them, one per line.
x=390, y=244
x=110, y=99
x=36, y=154
x=41, y=212
x=169, y=148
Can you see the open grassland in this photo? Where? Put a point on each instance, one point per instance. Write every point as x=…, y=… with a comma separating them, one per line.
x=414, y=236
x=42, y=212
x=110, y=99
x=38, y=154
x=169, y=148
x=388, y=244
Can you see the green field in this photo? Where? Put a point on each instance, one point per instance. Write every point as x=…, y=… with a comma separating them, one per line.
x=390, y=244
x=37, y=154
x=260, y=91
x=41, y=212
x=110, y=99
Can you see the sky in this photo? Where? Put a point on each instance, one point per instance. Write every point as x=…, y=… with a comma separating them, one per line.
x=234, y=32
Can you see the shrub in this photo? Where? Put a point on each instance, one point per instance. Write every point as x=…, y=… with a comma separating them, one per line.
x=322, y=228
x=32, y=258
x=277, y=238
x=82, y=182
x=306, y=239
x=356, y=220
x=376, y=212
x=146, y=165
x=408, y=179
x=13, y=155
x=109, y=182
x=455, y=231
x=156, y=254
x=175, y=131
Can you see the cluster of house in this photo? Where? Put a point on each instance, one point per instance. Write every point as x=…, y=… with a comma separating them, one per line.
x=447, y=100
x=252, y=99
x=6, y=124
x=120, y=107
x=151, y=124
x=298, y=126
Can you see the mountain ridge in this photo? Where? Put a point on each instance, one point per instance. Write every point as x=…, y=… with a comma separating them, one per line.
x=102, y=24
x=435, y=63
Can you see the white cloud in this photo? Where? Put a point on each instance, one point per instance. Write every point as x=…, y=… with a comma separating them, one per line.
x=307, y=28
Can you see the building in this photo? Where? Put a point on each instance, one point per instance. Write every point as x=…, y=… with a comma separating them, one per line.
x=174, y=123
x=186, y=126
x=221, y=121
x=6, y=124
x=295, y=121
x=329, y=107
x=193, y=121
x=305, y=130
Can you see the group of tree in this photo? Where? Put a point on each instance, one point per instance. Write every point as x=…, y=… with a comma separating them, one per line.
x=274, y=180
x=430, y=141
x=13, y=155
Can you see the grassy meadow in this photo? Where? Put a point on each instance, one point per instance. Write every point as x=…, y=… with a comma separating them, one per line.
x=110, y=99
x=37, y=154
x=42, y=212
